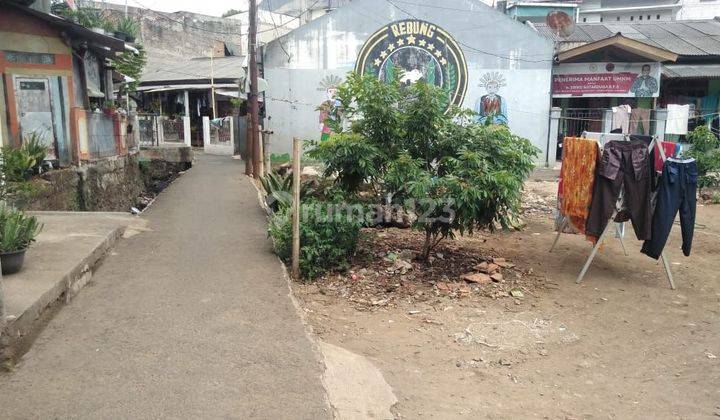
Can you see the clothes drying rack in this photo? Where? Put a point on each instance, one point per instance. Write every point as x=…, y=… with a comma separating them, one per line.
x=619, y=227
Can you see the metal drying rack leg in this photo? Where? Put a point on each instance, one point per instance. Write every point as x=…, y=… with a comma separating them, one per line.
x=593, y=253
x=563, y=224
x=619, y=232
x=667, y=271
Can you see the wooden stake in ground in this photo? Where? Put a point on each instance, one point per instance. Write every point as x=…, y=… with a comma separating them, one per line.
x=296, y=209
x=253, y=108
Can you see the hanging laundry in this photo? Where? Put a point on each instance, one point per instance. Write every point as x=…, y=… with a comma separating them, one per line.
x=580, y=157
x=670, y=149
x=621, y=118
x=677, y=192
x=677, y=119
x=639, y=121
x=624, y=166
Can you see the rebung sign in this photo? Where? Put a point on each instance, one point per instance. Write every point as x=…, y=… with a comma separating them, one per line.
x=621, y=80
x=423, y=50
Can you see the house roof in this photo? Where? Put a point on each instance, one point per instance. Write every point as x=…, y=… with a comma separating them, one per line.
x=685, y=38
x=619, y=46
x=166, y=68
x=691, y=71
x=105, y=45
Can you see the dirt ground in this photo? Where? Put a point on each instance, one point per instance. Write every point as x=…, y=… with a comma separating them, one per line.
x=620, y=345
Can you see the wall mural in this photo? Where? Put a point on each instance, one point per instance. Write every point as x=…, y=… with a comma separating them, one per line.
x=491, y=106
x=330, y=108
x=422, y=50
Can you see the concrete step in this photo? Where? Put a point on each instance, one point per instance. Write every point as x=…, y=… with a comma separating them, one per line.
x=56, y=267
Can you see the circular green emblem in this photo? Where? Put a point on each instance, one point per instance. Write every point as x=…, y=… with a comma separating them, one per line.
x=423, y=50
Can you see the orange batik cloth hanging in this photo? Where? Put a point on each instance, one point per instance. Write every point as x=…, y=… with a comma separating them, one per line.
x=580, y=157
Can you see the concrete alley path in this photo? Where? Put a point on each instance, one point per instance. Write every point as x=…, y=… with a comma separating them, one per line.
x=192, y=319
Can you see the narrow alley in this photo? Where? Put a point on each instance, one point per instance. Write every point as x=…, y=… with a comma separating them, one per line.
x=189, y=319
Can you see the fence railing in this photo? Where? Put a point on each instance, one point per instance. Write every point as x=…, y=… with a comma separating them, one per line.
x=149, y=133
x=156, y=130
x=173, y=130
x=218, y=135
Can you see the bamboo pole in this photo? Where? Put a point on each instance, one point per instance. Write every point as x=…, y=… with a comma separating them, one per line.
x=296, y=210
x=261, y=162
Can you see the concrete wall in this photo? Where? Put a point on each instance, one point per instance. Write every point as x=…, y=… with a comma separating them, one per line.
x=112, y=184
x=181, y=34
x=328, y=46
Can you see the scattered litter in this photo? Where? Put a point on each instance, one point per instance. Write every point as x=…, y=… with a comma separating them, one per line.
x=516, y=293
x=134, y=210
x=414, y=312
x=710, y=355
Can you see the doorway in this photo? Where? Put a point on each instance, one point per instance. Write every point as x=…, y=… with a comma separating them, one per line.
x=35, y=112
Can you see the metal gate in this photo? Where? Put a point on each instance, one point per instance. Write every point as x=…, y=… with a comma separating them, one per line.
x=148, y=129
x=574, y=121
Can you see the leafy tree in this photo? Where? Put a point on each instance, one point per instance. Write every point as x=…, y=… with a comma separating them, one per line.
x=231, y=12
x=706, y=151
x=131, y=64
x=405, y=148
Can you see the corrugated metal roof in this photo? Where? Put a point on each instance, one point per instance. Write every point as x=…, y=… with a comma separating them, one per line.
x=688, y=71
x=688, y=37
x=168, y=68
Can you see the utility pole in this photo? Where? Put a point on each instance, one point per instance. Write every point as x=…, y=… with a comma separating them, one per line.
x=212, y=80
x=253, y=95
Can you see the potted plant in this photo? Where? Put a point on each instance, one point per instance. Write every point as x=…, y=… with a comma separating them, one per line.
x=127, y=29
x=107, y=25
x=89, y=18
x=17, y=232
x=110, y=107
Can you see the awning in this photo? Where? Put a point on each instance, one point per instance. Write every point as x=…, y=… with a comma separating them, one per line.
x=168, y=88
x=690, y=71
x=233, y=93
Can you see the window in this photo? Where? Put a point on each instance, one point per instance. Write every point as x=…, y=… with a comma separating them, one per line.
x=617, y=18
x=632, y=17
x=584, y=19
x=640, y=17
x=29, y=58
x=32, y=86
x=648, y=17
x=658, y=17
x=601, y=19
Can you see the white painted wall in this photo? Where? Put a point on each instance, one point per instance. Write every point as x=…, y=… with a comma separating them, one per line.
x=490, y=41
x=699, y=9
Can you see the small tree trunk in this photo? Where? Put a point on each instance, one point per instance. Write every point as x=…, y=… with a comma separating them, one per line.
x=427, y=246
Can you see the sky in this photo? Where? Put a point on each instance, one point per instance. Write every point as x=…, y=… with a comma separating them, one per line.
x=206, y=7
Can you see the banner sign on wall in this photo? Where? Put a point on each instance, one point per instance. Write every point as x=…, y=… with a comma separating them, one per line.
x=635, y=80
x=422, y=50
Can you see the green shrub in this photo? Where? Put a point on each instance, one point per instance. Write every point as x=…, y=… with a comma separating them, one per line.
x=17, y=165
x=128, y=26
x=278, y=190
x=17, y=230
x=35, y=148
x=706, y=151
x=715, y=198
x=404, y=147
x=328, y=238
